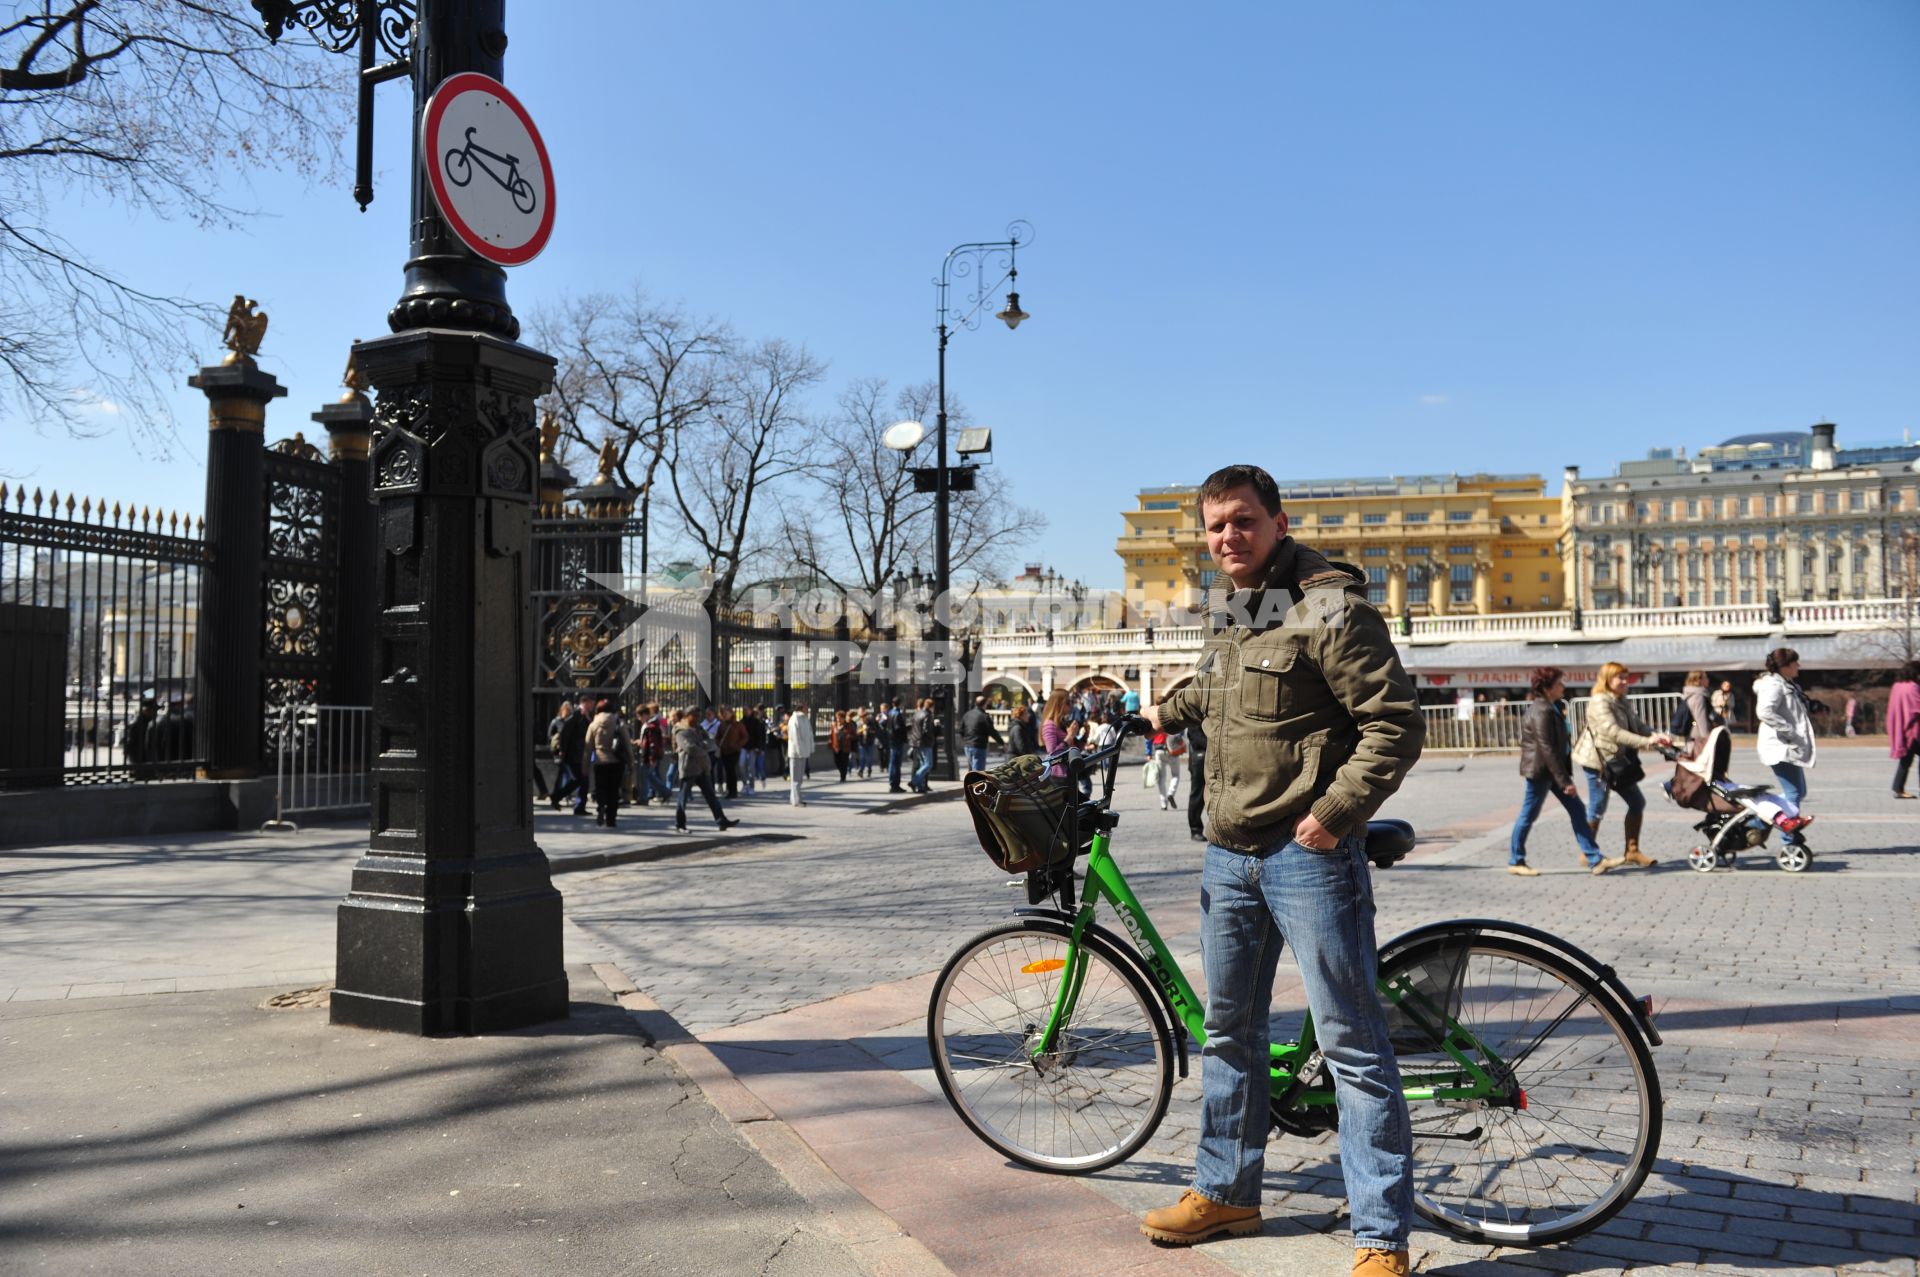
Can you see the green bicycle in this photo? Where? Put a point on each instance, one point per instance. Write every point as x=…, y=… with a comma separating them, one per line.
x=1525, y=1062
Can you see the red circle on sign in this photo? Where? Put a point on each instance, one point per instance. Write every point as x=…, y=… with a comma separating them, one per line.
x=450, y=89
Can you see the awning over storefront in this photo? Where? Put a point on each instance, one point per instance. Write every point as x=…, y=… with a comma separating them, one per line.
x=1509, y=663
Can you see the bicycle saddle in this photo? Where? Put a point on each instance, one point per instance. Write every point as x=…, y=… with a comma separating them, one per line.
x=1388, y=842
x=1731, y=790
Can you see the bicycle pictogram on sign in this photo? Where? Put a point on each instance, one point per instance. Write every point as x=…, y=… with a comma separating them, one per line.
x=460, y=161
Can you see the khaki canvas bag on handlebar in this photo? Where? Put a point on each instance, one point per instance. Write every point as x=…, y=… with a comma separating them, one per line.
x=1023, y=816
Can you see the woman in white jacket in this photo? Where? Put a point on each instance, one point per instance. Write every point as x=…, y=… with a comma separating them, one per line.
x=1786, y=728
x=799, y=750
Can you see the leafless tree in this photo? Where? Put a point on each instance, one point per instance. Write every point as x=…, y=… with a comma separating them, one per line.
x=148, y=104
x=635, y=371
x=754, y=435
x=878, y=523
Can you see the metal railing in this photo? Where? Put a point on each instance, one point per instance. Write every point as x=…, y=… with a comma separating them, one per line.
x=322, y=763
x=1493, y=727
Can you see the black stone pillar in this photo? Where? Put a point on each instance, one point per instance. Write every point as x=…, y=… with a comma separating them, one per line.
x=349, y=426
x=452, y=924
x=227, y=654
x=843, y=681
x=783, y=668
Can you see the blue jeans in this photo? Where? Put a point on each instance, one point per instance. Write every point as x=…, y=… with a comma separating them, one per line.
x=922, y=767
x=1321, y=904
x=1536, y=796
x=977, y=757
x=1597, y=792
x=1793, y=781
x=894, y=757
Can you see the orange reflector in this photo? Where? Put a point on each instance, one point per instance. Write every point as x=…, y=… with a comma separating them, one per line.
x=1523, y=1099
x=1045, y=964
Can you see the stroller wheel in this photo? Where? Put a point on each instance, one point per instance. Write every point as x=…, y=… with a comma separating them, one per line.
x=1794, y=856
x=1702, y=859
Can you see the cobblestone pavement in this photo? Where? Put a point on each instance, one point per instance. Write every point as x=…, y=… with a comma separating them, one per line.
x=1788, y=1002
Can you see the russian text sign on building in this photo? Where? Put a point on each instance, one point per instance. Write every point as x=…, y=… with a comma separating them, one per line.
x=488, y=168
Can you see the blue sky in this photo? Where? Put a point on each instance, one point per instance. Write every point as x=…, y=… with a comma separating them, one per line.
x=1331, y=239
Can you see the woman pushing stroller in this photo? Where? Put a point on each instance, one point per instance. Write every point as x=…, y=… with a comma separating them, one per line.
x=1609, y=752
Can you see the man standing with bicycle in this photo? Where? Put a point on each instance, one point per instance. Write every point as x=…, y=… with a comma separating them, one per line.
x=1311, y=723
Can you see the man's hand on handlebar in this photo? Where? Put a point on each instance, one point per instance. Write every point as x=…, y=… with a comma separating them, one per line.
x=1152, y=714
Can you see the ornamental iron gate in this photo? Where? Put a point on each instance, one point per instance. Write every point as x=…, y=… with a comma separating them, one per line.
x=300, y=569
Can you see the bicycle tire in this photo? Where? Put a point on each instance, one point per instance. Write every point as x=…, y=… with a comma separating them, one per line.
x=1097, y=1098
x=518, y=187
x=466, y=165
x=1577, y=1150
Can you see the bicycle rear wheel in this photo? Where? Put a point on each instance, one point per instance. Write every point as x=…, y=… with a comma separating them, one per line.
x=1093, y=1099
x=1575, y=1124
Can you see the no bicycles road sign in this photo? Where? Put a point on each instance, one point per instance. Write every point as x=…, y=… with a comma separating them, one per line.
x=488, y=168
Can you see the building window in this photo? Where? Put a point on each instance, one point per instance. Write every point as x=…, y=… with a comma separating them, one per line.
x=1462, y=582
x=1417, y=583
x=1160, y=505
x=1375, y=552
x=1373, y=518
x=1544, y=552
x=1330, y=520
x=1693, y=507
x=1641, y=508
x=1506, y=552
x=1806, y=503
x=1506, y=578
x=1856, y=500
x=1546, y=601
x=1459, y=516
x=1666, y=509
x=1769, y=503
x=1206, y=579
x=1415, y=517
x=1459, y=549
x=1543, y=578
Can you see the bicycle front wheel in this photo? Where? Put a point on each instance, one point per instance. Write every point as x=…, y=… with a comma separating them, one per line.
x=1087, y=1103
x=1574, y=1124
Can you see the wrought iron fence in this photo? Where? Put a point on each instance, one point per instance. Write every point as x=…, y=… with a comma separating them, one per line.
x=98, y=624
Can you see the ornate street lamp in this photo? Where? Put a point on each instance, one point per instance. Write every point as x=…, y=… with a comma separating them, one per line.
x=965, y=261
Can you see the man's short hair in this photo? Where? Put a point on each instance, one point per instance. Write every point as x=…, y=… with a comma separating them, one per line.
x=1228, y=478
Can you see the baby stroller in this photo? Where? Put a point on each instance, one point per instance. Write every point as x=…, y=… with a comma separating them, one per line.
x=1734, y=817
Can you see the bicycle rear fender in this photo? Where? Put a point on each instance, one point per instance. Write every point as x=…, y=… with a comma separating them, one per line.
x=1609, y=979
x=1122, y=946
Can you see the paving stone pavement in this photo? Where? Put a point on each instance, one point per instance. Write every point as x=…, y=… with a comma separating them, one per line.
x=1788, y=1003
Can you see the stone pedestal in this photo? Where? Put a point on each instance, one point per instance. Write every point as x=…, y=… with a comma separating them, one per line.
x=226, y=706
x=452, y=924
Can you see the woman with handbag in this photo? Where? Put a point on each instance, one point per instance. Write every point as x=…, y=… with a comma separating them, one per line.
x=1609, y=752
x=1785, y=742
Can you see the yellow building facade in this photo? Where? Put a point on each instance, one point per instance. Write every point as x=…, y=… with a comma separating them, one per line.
x=1430, y=545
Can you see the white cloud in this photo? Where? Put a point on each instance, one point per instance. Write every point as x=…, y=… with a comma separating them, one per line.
x=1433, y=401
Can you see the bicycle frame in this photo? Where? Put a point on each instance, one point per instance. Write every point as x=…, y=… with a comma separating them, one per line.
x=1295, y=1076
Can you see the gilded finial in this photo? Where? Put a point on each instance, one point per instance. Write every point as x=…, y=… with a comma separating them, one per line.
x=549, y=435
x=606, y=461
x=246, y=326
x=353, y=379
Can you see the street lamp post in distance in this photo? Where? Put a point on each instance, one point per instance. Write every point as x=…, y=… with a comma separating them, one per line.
x=964, y=261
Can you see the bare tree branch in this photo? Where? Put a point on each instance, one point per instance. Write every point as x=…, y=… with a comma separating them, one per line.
x=148, y=104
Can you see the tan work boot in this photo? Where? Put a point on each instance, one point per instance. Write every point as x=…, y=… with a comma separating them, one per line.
x=1198, y=1219
x=1368, y=1262
x=1610, y=864
x=1524, y=869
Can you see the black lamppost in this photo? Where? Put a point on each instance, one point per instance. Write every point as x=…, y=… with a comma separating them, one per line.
x=963, y=261
x=452, y=924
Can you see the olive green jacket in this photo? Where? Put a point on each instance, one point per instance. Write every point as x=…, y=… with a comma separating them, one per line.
x=1305, y=704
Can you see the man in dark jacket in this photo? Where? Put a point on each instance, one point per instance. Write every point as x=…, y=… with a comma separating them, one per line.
x=572, y=757
x=898, y=729
x=1196, y=792
x=1311, y=724
x=976, y=729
